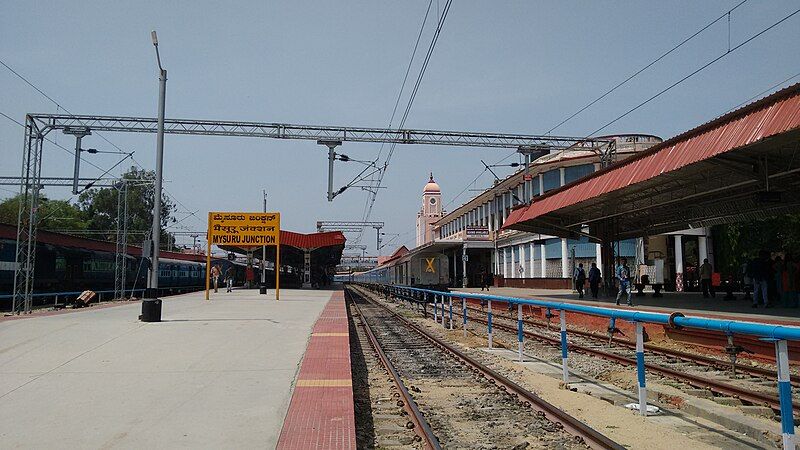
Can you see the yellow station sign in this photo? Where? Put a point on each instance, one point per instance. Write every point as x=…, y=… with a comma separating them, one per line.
x=244, y=229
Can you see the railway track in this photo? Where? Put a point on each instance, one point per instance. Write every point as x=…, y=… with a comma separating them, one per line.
x=464, y=403
x=694, y=358
x=752, y=393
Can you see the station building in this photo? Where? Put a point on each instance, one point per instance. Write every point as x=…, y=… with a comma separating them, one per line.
x=522, y=259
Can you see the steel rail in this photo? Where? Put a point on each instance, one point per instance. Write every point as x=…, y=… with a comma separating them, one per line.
x=693, y=380
x=421, y=426
x=686, y=356
x=591, y=437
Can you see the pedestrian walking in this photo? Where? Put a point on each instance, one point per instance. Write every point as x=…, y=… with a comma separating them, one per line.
x=623, y=274
x=229, y=278
x=705, y=279
x=758, y=270
x=594, y=280
x=215, y=272
x=790, y=269
x=488, y=280
x=579, y=277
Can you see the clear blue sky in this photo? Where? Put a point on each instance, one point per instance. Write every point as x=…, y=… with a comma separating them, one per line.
x=499, y=66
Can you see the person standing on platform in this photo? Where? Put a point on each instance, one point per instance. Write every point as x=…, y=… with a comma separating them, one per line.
x=777, y=274
x=790, y=282
x=229, y=278
x=488, y=280
x=706, y=272
x=579, y=277
x=215, y=273
x=623, y=274
x=758, y=270
x=594, y=280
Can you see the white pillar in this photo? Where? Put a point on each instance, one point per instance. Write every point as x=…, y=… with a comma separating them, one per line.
x=639, y=253
x=503, y=261
x=564, y=258
x=541, y=184
x=598, y=251
x=678, y=263
x=562, y=178
x=544, y=261
x=702, y=248
x=532, y=259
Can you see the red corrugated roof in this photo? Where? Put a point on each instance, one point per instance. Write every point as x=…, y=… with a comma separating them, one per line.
x=313, y=240
x=775, y=114
x=402, y=250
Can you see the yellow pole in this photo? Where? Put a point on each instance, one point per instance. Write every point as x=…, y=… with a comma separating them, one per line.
x=208, y=255
x=278, y=270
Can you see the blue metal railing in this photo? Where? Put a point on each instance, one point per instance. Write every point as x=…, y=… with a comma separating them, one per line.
x=778, y=334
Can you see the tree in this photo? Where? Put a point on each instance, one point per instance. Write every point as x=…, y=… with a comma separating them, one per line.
x=99, y=206
x=735, y=243
x=52, y=214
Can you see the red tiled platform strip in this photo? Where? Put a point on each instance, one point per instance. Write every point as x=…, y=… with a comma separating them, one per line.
x=321, y=412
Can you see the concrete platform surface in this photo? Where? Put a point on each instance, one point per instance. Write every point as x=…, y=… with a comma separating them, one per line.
x=213, y=374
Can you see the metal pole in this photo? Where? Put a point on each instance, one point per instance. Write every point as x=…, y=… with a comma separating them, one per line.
x=564, y=361
x=489, y=322
x=77, y=169
x=264, y=255
x=785, y=393
x=640, y=369
x=151, y=305
x=451, y=312
x=520, y=331
x=435, y=307
x=464, y=314
x=331, y=158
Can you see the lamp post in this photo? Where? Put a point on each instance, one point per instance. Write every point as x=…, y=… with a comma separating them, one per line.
x=263, y=287
x=151, y=305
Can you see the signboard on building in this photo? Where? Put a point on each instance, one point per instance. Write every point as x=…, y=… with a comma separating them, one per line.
x=246, y=230
x=477, y=232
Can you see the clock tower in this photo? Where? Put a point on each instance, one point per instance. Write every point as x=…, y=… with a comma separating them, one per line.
x=430, y=213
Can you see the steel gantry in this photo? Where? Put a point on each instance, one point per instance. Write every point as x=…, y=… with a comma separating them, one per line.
x=37, y=126
x=346, y=226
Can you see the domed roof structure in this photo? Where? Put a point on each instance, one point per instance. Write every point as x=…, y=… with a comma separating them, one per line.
x=431, y=187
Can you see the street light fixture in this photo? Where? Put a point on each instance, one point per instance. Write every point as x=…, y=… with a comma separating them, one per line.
x=151, y=305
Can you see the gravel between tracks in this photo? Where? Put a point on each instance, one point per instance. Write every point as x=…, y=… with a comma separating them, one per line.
x=625, y=427
x=463, y=409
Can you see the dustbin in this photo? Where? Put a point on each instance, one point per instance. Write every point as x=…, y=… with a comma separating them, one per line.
x=151, y=310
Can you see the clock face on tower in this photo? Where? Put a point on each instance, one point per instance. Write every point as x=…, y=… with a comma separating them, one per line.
x=432, y=201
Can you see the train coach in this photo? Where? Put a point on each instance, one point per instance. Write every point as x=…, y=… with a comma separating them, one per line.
x=419, y=268
x=72, y=264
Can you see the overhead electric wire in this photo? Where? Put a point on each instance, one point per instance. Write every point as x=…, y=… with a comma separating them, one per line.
x=704, y=66
x=370, y=196
x=58, y=105
x=413, y=95
x=650, y=64
x=29, y=83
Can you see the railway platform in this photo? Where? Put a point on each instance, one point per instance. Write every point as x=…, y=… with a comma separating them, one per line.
x=212, y=374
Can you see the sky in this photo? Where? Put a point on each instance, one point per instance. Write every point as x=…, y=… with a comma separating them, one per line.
x=513, y=67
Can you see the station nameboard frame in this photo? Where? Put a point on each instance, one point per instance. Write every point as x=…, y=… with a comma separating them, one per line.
x=244, y=229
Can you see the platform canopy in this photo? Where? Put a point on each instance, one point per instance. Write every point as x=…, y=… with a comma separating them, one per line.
x=325, y=248
x=743, y=165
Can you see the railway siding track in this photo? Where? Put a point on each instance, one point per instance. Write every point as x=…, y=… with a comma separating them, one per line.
x=466, y=403
x=725, y=388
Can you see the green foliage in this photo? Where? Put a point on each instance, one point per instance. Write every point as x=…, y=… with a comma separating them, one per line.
x=53, y=214
x=735, y=243
x=96, y=209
